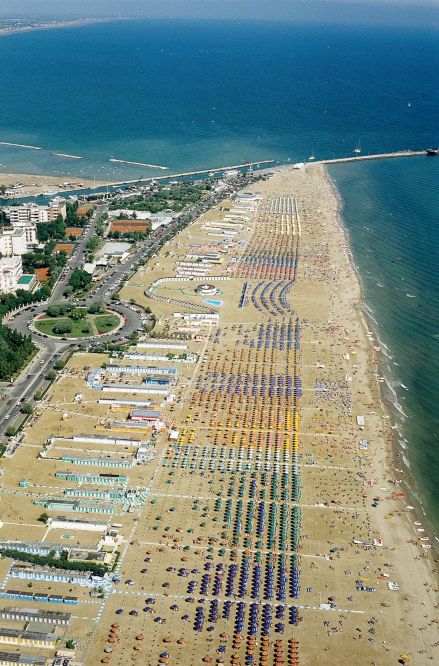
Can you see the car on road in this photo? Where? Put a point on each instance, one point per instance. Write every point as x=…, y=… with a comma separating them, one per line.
x=7, y=416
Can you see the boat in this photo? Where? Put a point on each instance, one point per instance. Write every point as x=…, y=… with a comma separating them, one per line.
x=312, y=157
x=357, y=148
x=432, y=151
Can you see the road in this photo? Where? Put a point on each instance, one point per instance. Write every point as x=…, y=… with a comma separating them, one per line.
x=50, y=349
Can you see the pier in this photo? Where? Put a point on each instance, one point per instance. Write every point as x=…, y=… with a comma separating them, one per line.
x=377, y=156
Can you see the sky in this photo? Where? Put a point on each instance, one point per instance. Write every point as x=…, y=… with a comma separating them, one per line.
x=393, y=12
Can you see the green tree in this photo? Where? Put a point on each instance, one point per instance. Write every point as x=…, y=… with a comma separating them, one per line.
x=96, y=307
x=92, y=244
x=53, y=311
x=43, y=518
x=27, y=408
x=51, y=375
x=80, y=280
x=78, y=314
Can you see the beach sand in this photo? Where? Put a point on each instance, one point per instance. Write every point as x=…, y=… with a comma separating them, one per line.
x=275, y=485
x=34, y=185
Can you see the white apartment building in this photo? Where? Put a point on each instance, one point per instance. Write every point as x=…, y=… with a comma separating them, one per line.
x=33, y=214
x=12, y=241
x=27, y=213
x=11, y=271
x=30, y=231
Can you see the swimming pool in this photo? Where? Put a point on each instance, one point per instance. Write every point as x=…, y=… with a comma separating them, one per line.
x=211, y=302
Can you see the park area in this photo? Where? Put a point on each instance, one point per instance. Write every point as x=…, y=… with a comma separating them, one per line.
x=68, y=322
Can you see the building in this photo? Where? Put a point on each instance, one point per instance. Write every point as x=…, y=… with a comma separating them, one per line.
x=27, y=213
x=15, y=658
x=71, y=523
x=40, y=639
x=11, y=270
x=98, y=462
x=75, y=505
x=162, y=218
x=115, y=251
x=149, y=415
x=35, y=615
x=26, y=595
x=57, y=207
x=32, y=213
x=30, y=230
x=34, y=547
x=12, y=241
x=141, y=370
x=106, y=479
x=48, y=575
x=89, y=267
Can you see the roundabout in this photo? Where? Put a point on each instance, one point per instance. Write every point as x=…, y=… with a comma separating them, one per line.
x=78, y=323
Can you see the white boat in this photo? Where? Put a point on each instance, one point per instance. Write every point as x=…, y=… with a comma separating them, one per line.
x=357, y=148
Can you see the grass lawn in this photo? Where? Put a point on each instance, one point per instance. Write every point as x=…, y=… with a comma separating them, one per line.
x=106, y=323
x=90, y=325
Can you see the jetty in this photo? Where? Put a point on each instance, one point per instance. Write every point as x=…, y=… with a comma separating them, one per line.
x=19, y=145
x=377, y=156
x=70, y=157
x=141, y=164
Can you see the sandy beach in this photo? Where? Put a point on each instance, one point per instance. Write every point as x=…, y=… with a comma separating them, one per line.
x=270, y=529
x=33, y=185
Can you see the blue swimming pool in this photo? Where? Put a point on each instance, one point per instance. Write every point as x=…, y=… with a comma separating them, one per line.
x=209, y=301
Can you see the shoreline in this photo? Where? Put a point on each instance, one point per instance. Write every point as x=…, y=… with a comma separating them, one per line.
x=409, y=479
x=54, y=25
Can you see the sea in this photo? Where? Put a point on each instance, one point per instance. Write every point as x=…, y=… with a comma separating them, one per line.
x=192, y=95
x=390, y=209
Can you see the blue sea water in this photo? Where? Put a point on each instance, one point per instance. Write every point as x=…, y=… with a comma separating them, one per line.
x=391, y=211
x=193, y=94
